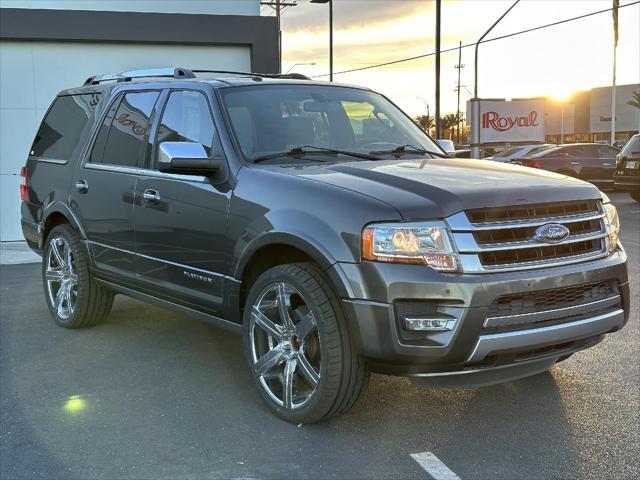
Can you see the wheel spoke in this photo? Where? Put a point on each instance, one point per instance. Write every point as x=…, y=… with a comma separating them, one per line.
x=308, y=372
x=269, y=360
x=53, y=275
x=68, y=257
x=283, y=306
x=60, y=298
x=267, y=325
x=68, y=295
x=56, y=253
x=305, y=326
x=287, y=384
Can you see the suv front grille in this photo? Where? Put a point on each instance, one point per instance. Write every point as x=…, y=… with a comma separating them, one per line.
x=522, y=311
x=531, y=212
x=529, y=302
x=502, y=238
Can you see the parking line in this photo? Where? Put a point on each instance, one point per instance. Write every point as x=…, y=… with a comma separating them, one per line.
x=434, y=467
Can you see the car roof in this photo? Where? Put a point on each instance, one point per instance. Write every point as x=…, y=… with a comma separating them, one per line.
x=216, y=82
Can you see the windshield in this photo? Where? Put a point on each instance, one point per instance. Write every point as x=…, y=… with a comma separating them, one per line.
x=268, y=119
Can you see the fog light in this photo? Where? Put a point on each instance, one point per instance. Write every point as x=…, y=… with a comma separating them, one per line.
x=430, y=324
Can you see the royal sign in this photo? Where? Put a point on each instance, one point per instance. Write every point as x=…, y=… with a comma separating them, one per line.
x=511, y=121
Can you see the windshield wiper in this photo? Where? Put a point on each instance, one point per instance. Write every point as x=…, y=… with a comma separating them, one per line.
x=402, y=149
x=311, y=150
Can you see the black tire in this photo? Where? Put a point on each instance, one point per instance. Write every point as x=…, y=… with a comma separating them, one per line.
x=635, y=195
x=87, y=302
x=342, y=372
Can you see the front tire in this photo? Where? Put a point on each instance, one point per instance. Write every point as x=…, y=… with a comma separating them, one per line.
x=300, y=353
x=74, y=298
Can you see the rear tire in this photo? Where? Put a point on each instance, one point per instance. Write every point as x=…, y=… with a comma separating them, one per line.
x=635, y=196
x=73, y=296
x=300, y=353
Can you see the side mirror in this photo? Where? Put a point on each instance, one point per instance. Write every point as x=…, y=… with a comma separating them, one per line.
x=186, y=158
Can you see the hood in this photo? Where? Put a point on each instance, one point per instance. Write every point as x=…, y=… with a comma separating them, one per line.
x=437, y=188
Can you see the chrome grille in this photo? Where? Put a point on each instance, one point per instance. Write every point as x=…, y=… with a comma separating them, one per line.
x=501, y=238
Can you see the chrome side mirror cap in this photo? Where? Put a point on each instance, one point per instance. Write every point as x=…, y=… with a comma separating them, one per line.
x=186, y=158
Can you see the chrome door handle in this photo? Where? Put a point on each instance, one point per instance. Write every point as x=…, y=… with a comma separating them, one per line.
x=82, y=186
x=150, y=197
x=575, y=163
x=607, y=164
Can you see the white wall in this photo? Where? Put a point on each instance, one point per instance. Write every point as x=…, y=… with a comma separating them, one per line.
x=32, y=73
x=217, y=7
x=627, y=117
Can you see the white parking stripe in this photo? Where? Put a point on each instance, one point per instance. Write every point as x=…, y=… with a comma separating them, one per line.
x=434, y=467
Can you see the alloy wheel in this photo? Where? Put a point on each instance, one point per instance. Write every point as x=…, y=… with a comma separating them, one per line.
x=285, y=346
x=61, y=278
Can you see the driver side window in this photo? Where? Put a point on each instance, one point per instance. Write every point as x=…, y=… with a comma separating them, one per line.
x=187, y=118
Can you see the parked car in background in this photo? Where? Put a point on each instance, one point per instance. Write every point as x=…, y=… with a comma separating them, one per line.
x=515, y=153
x=627, y=175
x=587, y=161
x=447, y=145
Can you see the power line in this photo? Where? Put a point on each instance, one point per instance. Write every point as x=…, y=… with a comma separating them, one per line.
x=417, y=57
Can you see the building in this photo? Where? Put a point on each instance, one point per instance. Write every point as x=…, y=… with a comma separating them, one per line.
x=586, y=116
x=49, y=45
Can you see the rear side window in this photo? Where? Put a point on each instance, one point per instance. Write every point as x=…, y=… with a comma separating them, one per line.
x=65, y=126
x=124, y=133
x=632, y=146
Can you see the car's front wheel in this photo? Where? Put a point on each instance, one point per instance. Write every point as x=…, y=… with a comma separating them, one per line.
x=73, y=296
x=300, y=353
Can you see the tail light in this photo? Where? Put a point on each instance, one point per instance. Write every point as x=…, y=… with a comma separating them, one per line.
x=24, y=184
x=532, y=163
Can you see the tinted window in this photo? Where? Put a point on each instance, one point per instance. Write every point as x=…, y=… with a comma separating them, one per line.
x=632, y=146
x=187, y=118
x=67, y=123
x=607, y=152
x=124, y=134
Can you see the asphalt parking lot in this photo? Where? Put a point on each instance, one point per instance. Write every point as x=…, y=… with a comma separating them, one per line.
x=153, y=394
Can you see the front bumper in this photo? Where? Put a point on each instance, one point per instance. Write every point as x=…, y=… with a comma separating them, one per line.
x=376, y=290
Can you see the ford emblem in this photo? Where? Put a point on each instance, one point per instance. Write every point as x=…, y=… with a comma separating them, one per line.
x=551, y=233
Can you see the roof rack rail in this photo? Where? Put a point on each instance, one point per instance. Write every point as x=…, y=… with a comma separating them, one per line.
x=127, y=76
x=293, y=76
x=179, y=73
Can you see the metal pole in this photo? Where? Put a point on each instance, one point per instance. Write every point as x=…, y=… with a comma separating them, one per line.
x=613, y=100
x=562, y=123
x=459, y=67
x=331, y=40
x=475, y=101
x=438, y=8
x=278, y=10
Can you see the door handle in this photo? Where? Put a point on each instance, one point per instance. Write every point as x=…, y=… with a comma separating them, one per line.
x=150, y=197
x=575, y=163
x=82, y=186
x=607, y=164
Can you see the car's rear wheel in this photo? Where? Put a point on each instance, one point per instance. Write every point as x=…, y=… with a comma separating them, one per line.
x=300, y=353
x=73, y=296
x=635, y=195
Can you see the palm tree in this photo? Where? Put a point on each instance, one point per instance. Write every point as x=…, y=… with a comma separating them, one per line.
x=449, y=122
x=636, y=99
x=425, y=122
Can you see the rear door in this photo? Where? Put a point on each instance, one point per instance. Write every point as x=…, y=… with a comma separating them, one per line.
x=104, y=185
x=181, y=224
x=598, y=163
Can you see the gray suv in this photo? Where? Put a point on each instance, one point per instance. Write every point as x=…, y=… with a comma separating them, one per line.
x=318, y=221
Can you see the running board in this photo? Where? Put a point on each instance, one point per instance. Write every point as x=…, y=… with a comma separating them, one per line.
x=203, y=317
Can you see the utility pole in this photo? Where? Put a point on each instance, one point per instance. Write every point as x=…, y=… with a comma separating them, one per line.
x=279, y=6
x=438, y=9
x=459, y=67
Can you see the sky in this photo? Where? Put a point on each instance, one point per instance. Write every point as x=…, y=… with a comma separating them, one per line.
x=555, y=61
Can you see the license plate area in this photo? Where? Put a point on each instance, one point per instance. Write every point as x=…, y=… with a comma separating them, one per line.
x=632, y=164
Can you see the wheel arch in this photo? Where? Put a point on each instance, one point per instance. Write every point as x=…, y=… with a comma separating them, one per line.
x=58, y=214
x=280, y=248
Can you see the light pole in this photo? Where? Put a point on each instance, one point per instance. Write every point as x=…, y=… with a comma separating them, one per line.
x=330, y=2
x=438, y=8
x=475, y=101
x=298, y=65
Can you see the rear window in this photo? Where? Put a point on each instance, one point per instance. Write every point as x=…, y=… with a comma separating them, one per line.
x=632, y=146
x=65, y=126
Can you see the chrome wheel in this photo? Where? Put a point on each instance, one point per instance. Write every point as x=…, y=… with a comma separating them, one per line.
x=61, y=278
x=284, y=346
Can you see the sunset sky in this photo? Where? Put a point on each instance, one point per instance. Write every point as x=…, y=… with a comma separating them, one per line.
x=554, y=61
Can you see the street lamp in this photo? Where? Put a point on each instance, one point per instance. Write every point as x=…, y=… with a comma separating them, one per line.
x=330, y=2
x=299, y=64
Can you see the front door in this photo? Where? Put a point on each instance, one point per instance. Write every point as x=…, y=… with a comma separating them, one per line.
x=181, y=220
x=104, y=185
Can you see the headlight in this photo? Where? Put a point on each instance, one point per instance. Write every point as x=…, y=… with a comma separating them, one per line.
x=424, y=243
x=612, y=223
